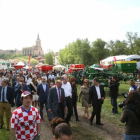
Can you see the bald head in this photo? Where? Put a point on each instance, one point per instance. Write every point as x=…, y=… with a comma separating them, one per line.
x=59, y=83
x=64, y=78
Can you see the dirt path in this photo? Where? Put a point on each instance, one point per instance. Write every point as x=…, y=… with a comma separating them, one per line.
x=108, y=131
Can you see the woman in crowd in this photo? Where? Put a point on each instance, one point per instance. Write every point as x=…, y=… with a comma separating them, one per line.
x=131, y=116
x=49, y=81
x=60, y=130
x=39, y=79
x=33, y=89
x=72, y=81
x=29, y=79
x=84, y=92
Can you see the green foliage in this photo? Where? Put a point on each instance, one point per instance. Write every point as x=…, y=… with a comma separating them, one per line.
x=49, y=57
x=98, y=51
x=33, y=62
x=81, y=51
x=75, y=52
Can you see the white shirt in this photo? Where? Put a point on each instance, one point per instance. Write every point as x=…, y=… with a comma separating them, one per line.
x=29, y=80
x=51, y=77
x=98, y=92
x=44, y=86
x=67, y=89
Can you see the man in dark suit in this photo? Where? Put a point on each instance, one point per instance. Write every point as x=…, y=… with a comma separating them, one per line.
x=43, y=93
x=56, y=100
x=6, y=102
x=96, y=96
x=19, y=89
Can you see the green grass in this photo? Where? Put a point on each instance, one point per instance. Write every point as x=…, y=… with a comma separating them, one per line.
x=4, y=135
x=107, y=108
x=80, y=133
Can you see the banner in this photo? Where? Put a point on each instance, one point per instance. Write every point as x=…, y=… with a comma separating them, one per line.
x=29, y=62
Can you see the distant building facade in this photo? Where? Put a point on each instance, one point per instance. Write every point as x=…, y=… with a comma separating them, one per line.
x=10, y=52
x=34, y=50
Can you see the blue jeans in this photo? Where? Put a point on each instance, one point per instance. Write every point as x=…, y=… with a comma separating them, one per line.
x=131, y=137
x=114, y=104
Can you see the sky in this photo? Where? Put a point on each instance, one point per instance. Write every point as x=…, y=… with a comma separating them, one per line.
x=60, y=22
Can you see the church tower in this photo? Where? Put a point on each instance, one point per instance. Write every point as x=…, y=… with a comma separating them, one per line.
x=38, y=41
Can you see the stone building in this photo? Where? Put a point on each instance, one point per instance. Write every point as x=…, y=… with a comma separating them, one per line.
x=34, y=50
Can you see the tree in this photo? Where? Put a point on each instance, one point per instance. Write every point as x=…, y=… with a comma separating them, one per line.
x=117, y=48
x=33, y=62
x=132, y=38
x=98, y=50
x=49, y=57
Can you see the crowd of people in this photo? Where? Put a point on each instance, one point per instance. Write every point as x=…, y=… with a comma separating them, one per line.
x=58, y=94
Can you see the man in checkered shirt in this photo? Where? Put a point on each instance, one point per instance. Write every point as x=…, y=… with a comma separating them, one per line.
x=26, y=120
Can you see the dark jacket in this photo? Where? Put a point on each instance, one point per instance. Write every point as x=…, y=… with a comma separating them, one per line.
x=9, y=95
x=53, y=99
x=32, y=89
x=93, y=97
x=132, y=126
x=18, y=92
x=74, y=93
x=114, y=89
x=43, y=96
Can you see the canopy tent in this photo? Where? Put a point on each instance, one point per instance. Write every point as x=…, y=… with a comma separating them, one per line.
x=110, y=60
x=59, y=67
x=20, y=65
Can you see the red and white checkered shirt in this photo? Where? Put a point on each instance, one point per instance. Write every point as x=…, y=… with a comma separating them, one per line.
x=25, y=122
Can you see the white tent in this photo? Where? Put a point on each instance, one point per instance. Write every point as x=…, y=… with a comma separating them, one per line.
x=20, y=63
x=59, y=67
x=110, y=60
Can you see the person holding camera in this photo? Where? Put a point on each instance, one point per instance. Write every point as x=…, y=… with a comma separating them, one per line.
x=26, y=120
x=131, y=116
x=114, y=85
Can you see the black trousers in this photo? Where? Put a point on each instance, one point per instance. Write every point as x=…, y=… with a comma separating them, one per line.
x=70, y=109
x=74, y=104
x=97, y=111
x=41, y=105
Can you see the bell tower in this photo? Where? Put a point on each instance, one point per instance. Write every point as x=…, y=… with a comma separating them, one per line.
x=38, y=41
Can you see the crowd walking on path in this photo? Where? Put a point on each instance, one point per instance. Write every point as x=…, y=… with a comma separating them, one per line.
x=33, y=91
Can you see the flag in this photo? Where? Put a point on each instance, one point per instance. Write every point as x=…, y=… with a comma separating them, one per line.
x=101, y=61
x=29, y=62
x=114, y=58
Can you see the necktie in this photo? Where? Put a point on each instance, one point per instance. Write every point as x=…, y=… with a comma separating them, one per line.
x=3, y=95
x=59, y=97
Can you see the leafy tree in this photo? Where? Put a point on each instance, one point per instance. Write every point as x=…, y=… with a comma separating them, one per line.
x=117, y=48
x=49, y=57
x=33, y=62
x=98, y=50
